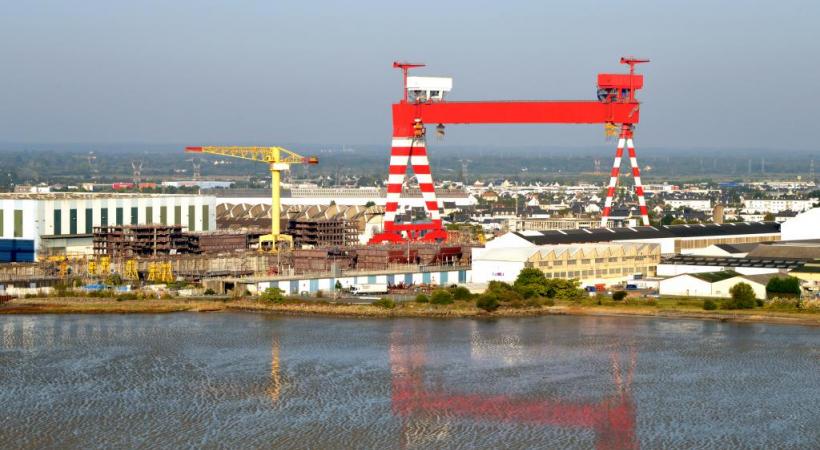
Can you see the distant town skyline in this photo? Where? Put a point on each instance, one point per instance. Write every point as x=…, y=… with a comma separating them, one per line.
x=722, y=75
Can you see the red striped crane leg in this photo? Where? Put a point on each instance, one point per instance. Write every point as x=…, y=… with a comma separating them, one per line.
x=613, y=180
x=399, y=158
x=421, y=167
x=636, y=174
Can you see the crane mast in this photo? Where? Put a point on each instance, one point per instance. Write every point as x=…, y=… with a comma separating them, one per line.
x=278, y=159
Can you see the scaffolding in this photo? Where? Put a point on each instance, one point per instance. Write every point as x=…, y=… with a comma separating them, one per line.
x=336, y=232
x=128, y=241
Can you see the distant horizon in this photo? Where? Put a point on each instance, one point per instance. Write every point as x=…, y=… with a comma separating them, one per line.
x=96, y=72
x=431, y=145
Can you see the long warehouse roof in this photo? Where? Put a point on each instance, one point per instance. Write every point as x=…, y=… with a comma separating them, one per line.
x=628, y=233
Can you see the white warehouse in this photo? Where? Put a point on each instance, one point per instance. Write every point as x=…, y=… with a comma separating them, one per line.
x=63, y=222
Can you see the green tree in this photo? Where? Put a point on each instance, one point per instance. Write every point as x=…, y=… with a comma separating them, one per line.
x=619, y=295
x=709, y=304
x=460, y=293
x=487, y=301
x=503, y=291
x=441, y=297
x=743, y=297
x=531, y=282
x=114, y=279
x=272, y=295
x=769, y=217
x=784, y=286
x=421, y=298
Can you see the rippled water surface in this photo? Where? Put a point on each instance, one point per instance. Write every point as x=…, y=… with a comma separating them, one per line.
x=247, y=380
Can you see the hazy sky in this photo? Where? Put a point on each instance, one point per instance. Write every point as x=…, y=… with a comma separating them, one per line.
x=725, y=74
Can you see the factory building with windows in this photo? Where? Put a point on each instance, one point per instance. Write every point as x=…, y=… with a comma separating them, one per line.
x=42, y=224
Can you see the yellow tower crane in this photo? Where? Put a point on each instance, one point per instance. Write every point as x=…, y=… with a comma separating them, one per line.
x=277, y=159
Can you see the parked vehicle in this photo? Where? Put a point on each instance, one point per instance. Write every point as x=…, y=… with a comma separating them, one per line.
x=369, y=289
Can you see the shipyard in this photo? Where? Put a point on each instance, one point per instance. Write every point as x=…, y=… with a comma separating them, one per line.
x=289, y=225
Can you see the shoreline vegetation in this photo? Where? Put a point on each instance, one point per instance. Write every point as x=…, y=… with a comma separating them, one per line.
x=671, y=308
x=532, y=294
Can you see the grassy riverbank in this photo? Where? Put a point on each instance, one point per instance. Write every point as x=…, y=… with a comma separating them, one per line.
x=665, y=307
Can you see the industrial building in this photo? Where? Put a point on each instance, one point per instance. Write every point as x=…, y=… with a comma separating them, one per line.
x=340, y=224
x=63, y=223
x=590, y=262
x=312, y=195
x=802, y=226
x=746, y=259
x=547, y=223
x=713, y=284
x=297, y=284
x=673, y=239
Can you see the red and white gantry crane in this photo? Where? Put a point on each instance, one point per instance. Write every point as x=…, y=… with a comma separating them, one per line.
x=423, y=103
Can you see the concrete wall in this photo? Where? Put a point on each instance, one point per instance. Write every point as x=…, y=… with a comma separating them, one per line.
x=721, y=288
x=687, y=285
x=485, y=271
x=327, y=283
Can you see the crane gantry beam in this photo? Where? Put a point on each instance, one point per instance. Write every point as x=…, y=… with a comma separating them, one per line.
x=277, y=159
x=500, y=112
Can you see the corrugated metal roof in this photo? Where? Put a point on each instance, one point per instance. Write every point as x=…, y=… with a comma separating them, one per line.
x=668, y=231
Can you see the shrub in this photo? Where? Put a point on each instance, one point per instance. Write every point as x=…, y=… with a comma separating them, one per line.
x=421, y=298
x=516, y=304
x=651, y=302
x=548, y=302
x=531, y=282
x=783, y=303
x=619, y=295
x=385, y=303
x=114, y=279
x=709, y=305
x=441, y=297
x=784, y=287
x=487, y=301
x=503, y=291
x=534, y=302
x=209, y=291
x=320, y=294
x=272, y=295
x=759, y=302
x=460, y=293
x=743, y=297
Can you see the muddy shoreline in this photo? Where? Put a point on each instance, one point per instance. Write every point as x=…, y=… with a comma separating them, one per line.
x=458, y=310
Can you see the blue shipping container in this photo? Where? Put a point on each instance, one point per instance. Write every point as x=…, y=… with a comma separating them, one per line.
x=16, y=250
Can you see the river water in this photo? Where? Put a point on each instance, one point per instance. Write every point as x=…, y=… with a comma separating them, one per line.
x=237, y=380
